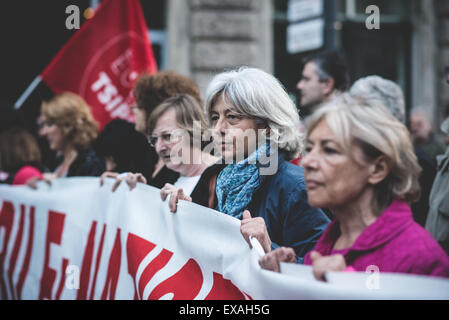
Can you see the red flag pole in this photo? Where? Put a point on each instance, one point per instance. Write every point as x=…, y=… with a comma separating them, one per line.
x=27, y=92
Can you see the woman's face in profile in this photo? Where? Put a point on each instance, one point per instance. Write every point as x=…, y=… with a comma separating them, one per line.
x=169, y=142
x=333, y=177
x=54, y=135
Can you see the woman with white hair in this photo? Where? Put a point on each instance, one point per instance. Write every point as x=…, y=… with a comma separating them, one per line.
x=255, y=129
x=360, y=163
x=380, y=90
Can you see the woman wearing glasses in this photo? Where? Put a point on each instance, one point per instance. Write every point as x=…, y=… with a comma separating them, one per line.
x=171, y=131
x=175, y=129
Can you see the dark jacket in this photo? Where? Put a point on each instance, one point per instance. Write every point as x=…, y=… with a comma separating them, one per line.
x=165, y=175
x=281, y=200
x=87, y=164
x=437, y=222
x=420, y=208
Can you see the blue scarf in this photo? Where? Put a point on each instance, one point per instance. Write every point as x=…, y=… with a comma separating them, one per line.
x=237, y=183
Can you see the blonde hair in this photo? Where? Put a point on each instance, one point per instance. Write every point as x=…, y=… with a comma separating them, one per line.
x=70, y=113
x=372, y=126
x=260, y=96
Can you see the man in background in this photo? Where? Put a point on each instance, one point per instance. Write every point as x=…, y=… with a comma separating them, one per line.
x=324, y=76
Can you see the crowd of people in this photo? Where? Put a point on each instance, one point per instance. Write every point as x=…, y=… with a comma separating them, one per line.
x=339, y=182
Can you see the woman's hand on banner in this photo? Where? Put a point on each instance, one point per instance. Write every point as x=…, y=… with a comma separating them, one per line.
x=272, y=260
x=175, y=195
x=131, y=179
x=46, y=177
x=323, y=264
x=256, y=228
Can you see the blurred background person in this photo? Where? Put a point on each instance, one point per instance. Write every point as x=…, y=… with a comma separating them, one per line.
x=360, y=163
x=123, y=148
x=423, y=135
x=254, y=126
x=324, y=76
x=445, y=129
x=150, y=91
x=438, y=217
x=20, y=157
x=375, y=89
x=381, y=90
x=70, y=129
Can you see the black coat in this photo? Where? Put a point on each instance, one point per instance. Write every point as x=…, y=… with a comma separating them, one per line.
x=87, y=164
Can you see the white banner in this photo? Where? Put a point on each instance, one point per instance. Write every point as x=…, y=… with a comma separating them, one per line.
x=77, y=240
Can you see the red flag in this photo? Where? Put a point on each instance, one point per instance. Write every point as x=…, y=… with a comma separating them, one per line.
x=103, y=59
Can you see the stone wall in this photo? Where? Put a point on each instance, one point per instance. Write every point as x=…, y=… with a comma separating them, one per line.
x=209, y=36
x=442, y=31
x=424, y=56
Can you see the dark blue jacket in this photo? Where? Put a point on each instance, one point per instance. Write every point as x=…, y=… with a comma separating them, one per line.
x=282, y=201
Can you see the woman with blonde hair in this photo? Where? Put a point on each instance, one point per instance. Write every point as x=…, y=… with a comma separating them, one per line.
x=360, y=163
x=70, y=129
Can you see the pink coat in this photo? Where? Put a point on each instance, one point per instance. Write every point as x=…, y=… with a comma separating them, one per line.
x=393, y=243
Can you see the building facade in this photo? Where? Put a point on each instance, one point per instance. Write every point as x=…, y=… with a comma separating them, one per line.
x=411, y=47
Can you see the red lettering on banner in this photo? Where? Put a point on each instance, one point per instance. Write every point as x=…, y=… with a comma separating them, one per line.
x=29, y=248
x=224, y=290
x=154, y=266
x=137, y=249
x=55, y=229
x=15, y=251
x=97, y=265
x=110, y=286
x=87, y=263
x=184, y=285
x=6, y=221
x=65, y=263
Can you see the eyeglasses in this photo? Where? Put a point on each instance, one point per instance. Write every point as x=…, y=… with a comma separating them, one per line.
x=167, y=138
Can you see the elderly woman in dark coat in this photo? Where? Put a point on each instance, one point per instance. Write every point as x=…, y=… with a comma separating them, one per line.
x=255, y=129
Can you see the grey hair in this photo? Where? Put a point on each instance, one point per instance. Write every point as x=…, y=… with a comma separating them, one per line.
x=377, y=132
x=375, y=88
x=260, y=96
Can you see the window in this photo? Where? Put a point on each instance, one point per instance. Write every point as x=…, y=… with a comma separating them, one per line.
x=155, y=12
x=384, y=52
